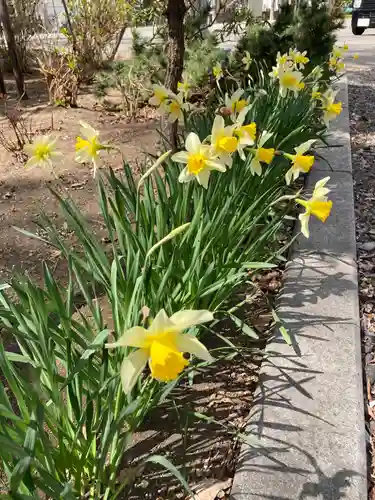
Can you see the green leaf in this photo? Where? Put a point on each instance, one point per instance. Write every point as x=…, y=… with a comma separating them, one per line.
x=286, y=335
x=164, y=462
x=19, y=358
x=18, y=473
x=247, y=330
x=93, y=347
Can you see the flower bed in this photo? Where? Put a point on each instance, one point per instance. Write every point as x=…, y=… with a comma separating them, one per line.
x=184, y=239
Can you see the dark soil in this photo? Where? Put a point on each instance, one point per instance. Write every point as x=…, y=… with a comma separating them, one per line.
x=362, y=128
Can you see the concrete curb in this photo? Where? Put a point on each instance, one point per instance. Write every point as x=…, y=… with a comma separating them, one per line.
x=308, y=416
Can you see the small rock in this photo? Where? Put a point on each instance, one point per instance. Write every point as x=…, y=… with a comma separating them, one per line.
x=368, y=307
x=368, y=246
x=370, y=373
x=143, y=484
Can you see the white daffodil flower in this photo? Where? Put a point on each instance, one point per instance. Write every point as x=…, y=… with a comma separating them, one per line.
x=246, y=134
x=223, y=143
x=236, y=103
x=88, y=146
x=42, y=152
x=160, y=95
x=200, y=160
x=289, y=79
x=331, y=109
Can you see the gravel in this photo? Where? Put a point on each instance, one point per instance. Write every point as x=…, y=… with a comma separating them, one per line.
x=362, y=129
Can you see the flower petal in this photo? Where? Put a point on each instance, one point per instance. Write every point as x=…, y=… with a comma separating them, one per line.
x=131, y=368
x=320, y=191
x=181, y=157
x=192, y=143
x=218, y=125
x=241, y=117
x=203, y=177
x=185, y=176
x=304, y=218
x=215, y=165
x=32, y=162
x=134, y=337
x=255, y=167
x=305, y=146
x=288, y=176
x=88, y=131
x=236, y=96
x=227, y=159
x=160, y=323
x=191, y=317
x=188, y=343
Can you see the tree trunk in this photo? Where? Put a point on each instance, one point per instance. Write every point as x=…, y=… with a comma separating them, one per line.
x=12, y=49
x=3, y=90
x=69, y=23
x=118, y=42
x=176, y=48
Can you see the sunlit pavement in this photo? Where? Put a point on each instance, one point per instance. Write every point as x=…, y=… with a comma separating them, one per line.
x=363, y=45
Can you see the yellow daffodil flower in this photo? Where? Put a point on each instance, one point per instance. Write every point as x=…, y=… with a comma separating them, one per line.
x=345, y=47
x=337, y=52
x=162, y=345
x=261, y=154
x=316, y=73
x=175, y=108
x=299, y=58
x=246, y=134
x=200, y=160
x=236, y=103
x=289, y=80
x=88, y=147
x=300, y=161
x=281, y=59
x=223, y=143
x=331, y=109
x=247, y=60
x=356, y=56
x=160, y=95
x=317, y=205
x=315, y=94
x=336, y=64
x=183, y=87
x=42, y=152
x=275, y=72
x=217, y=71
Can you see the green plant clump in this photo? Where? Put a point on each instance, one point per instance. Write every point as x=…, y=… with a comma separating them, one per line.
x=181, y=242
x=310, y=26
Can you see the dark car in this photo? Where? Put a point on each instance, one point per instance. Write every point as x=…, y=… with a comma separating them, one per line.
x=363, y=16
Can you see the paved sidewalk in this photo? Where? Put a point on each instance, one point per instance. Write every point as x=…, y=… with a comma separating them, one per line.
x=308, y=419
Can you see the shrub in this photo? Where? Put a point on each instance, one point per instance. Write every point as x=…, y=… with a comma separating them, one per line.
x=26, y=22
x=310, y=26
x=199, y=56
x=314, y=28
x=62, y=75
x=97, y=27
x=133, y=79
